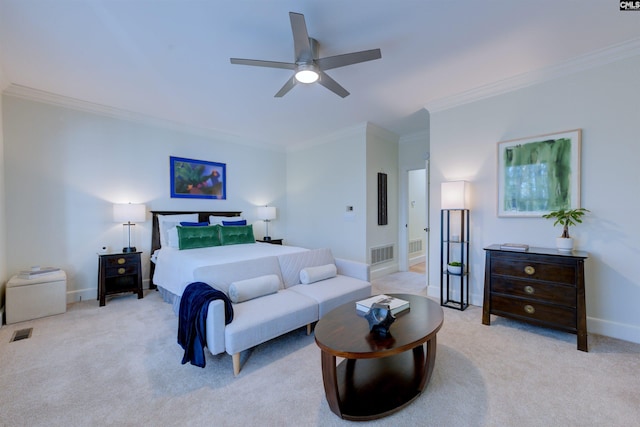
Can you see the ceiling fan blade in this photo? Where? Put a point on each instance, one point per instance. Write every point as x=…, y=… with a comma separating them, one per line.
x=268, y=64
x=348, y=59
x=301, y=44
x=286, y=88
x=332, y=85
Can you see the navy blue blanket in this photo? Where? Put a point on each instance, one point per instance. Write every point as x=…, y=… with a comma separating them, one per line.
x=192, y=320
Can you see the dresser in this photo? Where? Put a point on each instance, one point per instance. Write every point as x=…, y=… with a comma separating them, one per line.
x=541, y=286
x=117, y=273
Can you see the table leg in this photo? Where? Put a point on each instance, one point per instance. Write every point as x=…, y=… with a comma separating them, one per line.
x=330, y=380
x=429, y=362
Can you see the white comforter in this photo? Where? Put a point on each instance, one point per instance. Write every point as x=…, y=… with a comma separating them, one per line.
x=174, y=268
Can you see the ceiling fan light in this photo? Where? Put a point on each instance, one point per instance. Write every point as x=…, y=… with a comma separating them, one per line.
x=307, y=74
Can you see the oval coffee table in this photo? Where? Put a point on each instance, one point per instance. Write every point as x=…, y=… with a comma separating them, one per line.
x=378, y=376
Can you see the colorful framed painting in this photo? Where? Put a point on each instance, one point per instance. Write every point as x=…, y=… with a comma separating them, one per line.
x=198, y=179
x=539, y=174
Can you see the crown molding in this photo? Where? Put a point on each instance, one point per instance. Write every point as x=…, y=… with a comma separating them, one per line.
x=594, y=59
x=36, y=95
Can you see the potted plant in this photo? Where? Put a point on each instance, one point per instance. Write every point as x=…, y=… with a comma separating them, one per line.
x=566, y=218
x=454, y=267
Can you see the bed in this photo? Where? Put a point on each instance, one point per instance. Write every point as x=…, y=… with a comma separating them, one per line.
x=171, y=269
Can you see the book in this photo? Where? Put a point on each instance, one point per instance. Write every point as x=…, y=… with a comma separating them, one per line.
x=514, y=246
x=396, y=305
x=33, y=273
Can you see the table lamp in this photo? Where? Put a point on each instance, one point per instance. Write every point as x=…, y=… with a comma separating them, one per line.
x=128, y=214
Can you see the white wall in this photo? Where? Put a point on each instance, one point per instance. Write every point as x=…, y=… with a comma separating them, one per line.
x=65, y=168
x=323, y=178
x=3, y=221
x=382, y=156
x=604, y=103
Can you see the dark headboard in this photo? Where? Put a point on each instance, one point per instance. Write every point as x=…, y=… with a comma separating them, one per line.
x=155, y=231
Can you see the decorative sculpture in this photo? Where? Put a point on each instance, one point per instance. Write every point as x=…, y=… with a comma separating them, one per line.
x=380, y=319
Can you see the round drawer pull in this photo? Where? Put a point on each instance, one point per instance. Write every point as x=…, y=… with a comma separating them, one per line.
x=121, y=270
x=121, y=261
x=529, y=270
x=529, y=309
x=529, y=289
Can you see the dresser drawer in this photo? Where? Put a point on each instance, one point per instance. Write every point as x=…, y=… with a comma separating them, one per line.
x=553, y=315
x=540, y=291
x=534, y=269
x=121, y=260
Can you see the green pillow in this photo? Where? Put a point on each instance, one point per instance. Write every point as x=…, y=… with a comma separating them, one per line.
x=198, y=237
x=236, y=234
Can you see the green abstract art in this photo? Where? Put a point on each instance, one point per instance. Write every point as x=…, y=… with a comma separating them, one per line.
x=539, y=174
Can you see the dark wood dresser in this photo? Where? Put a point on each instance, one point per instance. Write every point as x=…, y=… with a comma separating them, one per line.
x=541, y=286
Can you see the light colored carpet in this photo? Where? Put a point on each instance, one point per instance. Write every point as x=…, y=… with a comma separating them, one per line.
x=119, y=365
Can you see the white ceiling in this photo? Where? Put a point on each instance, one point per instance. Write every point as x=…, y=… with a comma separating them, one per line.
x=169, y=59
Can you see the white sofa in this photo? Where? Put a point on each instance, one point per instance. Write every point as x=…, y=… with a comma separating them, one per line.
x=294, y=305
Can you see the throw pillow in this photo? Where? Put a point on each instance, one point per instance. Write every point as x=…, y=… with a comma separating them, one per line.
x=237, y=235
x=315, y=274
x=244, y=290
x=198, y=237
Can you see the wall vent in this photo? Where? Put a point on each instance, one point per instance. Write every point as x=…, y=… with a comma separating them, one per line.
x=415, y=246
x=381, y=254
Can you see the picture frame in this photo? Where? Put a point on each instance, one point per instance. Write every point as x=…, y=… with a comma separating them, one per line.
x=539, y=174
x=197, y=179
x=382, y=198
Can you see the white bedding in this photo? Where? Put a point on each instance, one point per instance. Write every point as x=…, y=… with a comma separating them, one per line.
x=174, y=268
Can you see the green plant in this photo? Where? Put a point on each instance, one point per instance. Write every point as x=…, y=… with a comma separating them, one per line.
x=455, y=264
x=566, y=218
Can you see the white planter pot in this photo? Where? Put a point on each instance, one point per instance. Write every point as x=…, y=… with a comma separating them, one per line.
x=564, y=244
x=454, y=270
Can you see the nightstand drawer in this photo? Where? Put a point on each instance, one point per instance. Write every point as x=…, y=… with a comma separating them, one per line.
x=122, y=271
x=121, y=260
x=533, y=269
x=553, y=315
x=545, y=292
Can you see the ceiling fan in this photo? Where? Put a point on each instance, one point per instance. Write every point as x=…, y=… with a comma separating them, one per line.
x=307, y=66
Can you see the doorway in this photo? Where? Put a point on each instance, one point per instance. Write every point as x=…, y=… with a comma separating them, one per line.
x=418, y=220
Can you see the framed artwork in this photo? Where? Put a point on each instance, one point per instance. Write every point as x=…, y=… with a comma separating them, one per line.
x=382, y=198
x=198, y=179
x=539, y=174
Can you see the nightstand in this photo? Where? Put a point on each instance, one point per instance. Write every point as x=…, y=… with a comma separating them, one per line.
x=272, y=241
x=118, y=273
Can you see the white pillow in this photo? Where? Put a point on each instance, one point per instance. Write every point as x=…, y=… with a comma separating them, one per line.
x=173, y=239
x=167, y=222
x=213, y=219
x=244, y=290
x=315, y=274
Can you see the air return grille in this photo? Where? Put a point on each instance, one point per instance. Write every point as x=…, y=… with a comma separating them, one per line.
x=21, y=334
x=381, y=254
x=415, y=246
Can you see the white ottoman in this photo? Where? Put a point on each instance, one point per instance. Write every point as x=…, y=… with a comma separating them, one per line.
x=28, y=299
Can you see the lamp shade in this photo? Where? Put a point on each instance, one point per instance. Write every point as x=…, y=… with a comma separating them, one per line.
x=454, y=195
x=129, y=212
x=266, y=213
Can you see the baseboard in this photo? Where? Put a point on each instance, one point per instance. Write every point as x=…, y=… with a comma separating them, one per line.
x=382, y=271
x=474, y=299
x=91, y=293
x=417, y=260
x=607, y=328
x=611, y=329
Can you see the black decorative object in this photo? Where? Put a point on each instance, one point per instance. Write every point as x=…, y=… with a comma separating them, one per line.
x=380, y=319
